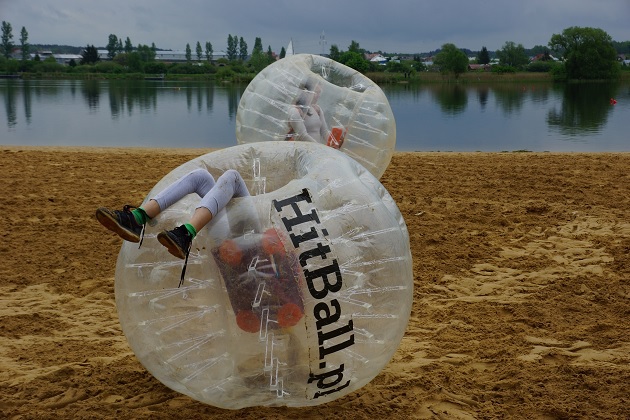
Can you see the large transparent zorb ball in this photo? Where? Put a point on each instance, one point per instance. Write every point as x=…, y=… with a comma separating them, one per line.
x=295, y=296
x=355, y=115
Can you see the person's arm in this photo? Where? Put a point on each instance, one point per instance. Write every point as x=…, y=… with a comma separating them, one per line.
x=323, y=128
x=296, y=122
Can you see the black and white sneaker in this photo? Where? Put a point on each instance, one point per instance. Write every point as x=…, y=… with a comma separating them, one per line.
x=178, y=243
x=123, y=223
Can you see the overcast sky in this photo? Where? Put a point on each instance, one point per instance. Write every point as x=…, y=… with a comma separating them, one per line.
x=404, y=26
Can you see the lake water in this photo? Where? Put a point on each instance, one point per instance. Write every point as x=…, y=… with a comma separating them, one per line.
x=434, y=117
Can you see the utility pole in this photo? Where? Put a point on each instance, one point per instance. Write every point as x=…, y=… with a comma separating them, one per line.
x=322, y=42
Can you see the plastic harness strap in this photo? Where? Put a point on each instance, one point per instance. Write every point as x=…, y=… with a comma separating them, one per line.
x=181, y=280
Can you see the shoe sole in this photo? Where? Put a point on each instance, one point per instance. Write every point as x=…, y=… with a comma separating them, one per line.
x=111, y=223
x=171, y=246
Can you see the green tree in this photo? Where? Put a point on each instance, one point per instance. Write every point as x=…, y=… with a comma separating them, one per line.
x=269, y=54
x=258, y=60
x=128, y=46
x=188, y=53
x=145, y=53
x=355, y=60
x=334, y=54
x=622, y=47
x=283, y=53
x=232, y=47
x=484, y=56
x=395, y=67
x=89, y=55
x=242, y=47
x=119, y=47
x=135, y=62
x=24, y=45
x=451, y=59
x=209, y=51
x=588, y=53
x=50, y=65
x=418, y=64
x=121, y=59
x=354, y=47
x=112, y=45
x=539, y=49
x=199, y=51
x=7, y=35
x=513, y=55
x=257, y=45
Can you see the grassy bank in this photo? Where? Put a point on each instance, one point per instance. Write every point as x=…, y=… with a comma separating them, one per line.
x=470, y=77
x=378, y=77
x=238, y=78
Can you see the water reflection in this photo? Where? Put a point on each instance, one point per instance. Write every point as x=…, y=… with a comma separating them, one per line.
x=584, y=109
x=483, y=93
x=28, y=103
x=10, y=104
x=91, y=91
x=124, y=96
x=510, y=116
x=473, y=116
x=510, y=98
x=451, y=98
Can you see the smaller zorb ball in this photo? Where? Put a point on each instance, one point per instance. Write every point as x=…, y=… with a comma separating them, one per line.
x=357, y=118
x=294, y=296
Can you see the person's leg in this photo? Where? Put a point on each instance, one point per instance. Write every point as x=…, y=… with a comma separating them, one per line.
x=228, y=186
x=199, y=181
x=179, y=240
x=129, y=222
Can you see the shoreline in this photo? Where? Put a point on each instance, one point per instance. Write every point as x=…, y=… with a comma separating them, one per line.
x=200, y=151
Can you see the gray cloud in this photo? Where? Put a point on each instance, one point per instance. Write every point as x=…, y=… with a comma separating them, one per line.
x=406, y=26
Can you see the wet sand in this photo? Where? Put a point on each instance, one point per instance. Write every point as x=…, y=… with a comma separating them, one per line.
x=521, y=301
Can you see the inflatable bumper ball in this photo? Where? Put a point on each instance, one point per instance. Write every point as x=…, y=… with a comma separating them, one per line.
x=312, y=98
x=294, y=296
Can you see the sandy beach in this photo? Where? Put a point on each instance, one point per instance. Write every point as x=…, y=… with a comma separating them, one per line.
x=521, y=300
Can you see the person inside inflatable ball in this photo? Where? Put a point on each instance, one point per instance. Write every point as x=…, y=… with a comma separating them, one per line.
x=307, y=121
x=130, y=222
x=295, y=295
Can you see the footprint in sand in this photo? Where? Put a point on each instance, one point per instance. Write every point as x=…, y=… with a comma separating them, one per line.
x=546, y=256
x=71, y=395
x=550, y=351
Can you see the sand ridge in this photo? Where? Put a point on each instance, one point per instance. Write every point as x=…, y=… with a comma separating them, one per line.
x=521, y=300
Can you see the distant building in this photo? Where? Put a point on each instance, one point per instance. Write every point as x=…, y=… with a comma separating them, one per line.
x=541, y=57
x=168, y=56
x=64, y=59
x=475, y=67
x=376, y=58
x=67, y=58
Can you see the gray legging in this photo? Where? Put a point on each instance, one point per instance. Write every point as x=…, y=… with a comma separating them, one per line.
x=214, y=195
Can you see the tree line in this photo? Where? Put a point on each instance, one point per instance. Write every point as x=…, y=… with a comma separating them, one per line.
x=581, y=53
x=124, y=57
